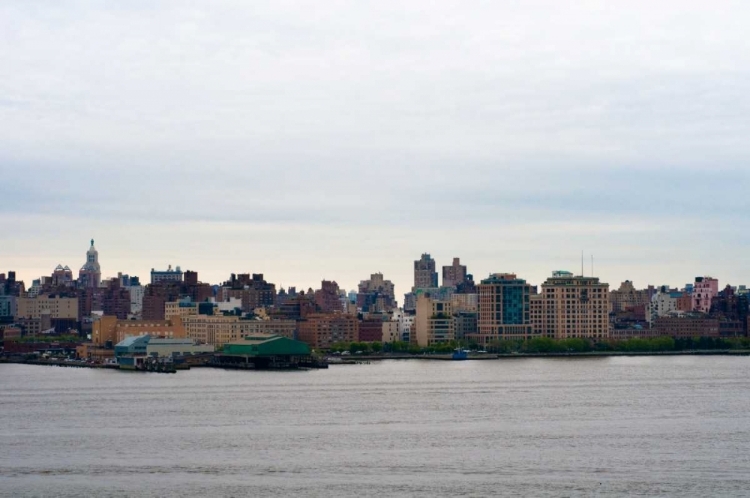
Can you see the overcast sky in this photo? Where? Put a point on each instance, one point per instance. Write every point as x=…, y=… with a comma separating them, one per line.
x=311, y=140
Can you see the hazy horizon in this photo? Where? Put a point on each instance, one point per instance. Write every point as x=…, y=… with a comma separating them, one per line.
x=310, y=141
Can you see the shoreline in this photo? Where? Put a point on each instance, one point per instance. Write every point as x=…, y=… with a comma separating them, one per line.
x=502, y=356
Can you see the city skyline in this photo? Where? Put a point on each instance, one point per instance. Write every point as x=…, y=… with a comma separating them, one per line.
x=585, y=264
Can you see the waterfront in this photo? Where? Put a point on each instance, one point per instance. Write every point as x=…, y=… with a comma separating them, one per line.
x=606, y=426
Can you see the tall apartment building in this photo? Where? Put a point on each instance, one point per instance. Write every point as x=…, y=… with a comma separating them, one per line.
x=376, y=294
x=455, y=274
x=574, y=306
x=433, y=322
x=425, y=276
x=322, y=330
x=704, y=290
x=328, y=298
x=503, y=310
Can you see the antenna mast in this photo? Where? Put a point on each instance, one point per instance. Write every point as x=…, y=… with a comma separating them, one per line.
x=582, y=263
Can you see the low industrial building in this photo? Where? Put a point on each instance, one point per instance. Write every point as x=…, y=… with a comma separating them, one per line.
x=264, y=351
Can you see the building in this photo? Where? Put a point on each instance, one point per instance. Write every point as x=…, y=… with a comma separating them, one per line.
x=252, y=289
x=664, y=303
x=504, y=310
x=465, y=302
x=328, y=298
x=425, y=275
x=686, y=327
x=168, y=275
x=391, y=331
x=264, y=351
x=57, y=307
x=62, y=276
x=216, y=330
x=376, y=294
x=322, y=330
x=464, y=324
x=180, y=308
x=283, y=328
x=455, y=274
x=574, y=307
x=147, y=345
x=109, y=330
x=405, y=325
x=115, y=299
x=704, y=290
x=371, y=330
x=433, y=323
x=627, y=296
x=8, y=308
x=136, y=299
x=90, y=274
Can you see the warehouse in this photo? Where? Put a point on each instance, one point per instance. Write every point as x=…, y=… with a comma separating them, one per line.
x=262, y=351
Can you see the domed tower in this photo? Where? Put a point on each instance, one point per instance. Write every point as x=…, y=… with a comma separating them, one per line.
x=90, y=274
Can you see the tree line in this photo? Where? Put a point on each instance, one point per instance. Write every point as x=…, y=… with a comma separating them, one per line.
x=548, y=345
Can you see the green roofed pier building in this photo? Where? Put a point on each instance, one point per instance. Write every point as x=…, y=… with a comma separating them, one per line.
x=265, y=351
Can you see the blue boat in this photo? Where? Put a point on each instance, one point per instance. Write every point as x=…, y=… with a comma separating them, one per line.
x=460, y=354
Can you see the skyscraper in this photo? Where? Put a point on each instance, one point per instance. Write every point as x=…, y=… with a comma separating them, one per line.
x=425, y=276
x=504, y=309
x=573, y=306
x=90, y=274
x=454, y=274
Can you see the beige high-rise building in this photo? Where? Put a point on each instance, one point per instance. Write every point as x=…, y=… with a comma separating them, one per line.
x=574, y=306
x=433, y=323
x=55, y=306
x=627, y=296
x=503, y=313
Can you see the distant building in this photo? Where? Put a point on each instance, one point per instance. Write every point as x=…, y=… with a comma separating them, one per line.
x=627, y=296
x=328, y=298
x=504, y=309
x=62, y=276
x=425, y=275
x=322, y=330
x=464, y=324
x=433, y=322
x=455, y=274
x=686, y=327
x=574, y=307
x=376, y=294
x=55, y=306
x=90, y=274
x=110, y=330
x=665, y=302
x=465, y=302
x=704, y=290
x=168, y=275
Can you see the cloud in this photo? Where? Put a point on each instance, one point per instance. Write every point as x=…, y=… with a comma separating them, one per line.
x=475, y=129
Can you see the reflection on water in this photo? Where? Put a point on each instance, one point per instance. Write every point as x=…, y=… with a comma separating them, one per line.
x=536, y=427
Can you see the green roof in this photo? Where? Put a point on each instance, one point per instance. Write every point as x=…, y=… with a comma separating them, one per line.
x=266, y=345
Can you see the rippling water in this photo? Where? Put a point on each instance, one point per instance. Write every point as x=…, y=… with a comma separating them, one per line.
x=646, y=426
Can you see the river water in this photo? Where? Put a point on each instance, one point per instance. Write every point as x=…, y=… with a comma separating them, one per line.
x=676, y=426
